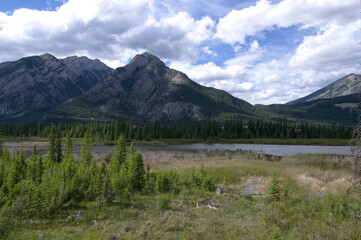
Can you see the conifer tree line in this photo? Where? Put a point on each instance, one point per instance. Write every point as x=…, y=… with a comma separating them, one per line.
x=207, y=130
x=43, y=184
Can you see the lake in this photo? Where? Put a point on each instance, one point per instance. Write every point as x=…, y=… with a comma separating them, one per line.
x=273, y=149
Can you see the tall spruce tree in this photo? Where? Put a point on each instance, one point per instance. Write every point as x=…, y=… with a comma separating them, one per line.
x=68, y=164
x=1, y=146
x=2, y=172
x=85, y=154
x=17, y=173
x=39, y=169
x=52, y=145
x=32, y=169
x=5, y=158
x=136, y=172
x=119, y=155
x=22, y=164
x=58, y=148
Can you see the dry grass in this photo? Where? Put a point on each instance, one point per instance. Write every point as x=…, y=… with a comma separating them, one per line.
x=316, y=207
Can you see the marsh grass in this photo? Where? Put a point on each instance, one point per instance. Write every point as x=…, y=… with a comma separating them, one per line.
x=313, y=203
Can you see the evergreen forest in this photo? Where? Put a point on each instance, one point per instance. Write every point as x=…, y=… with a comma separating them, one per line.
x=207, y=130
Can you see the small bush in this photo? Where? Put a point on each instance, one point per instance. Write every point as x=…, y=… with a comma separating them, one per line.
x=274, y=190
x=201, y=179
x=167, y=181
x=164, y=202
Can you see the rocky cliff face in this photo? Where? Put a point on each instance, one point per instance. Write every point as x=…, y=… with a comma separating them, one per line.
x=347, y=85
x=38, y=83
x=146, y=88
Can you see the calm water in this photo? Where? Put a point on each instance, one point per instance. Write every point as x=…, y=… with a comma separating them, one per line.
x=279, y=150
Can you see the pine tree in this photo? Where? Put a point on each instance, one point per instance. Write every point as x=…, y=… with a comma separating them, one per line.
x=21, y=163
x=2, y=174
x=52, y=145
x=68, y=143
x=101, y=181
x=131, y=149
x=120, y=150
x=32, y=165
x=119, y=155
x=39, y=169
x=94, y=179
x=274, y=189
x=17, y=173
x=68, y=163
x=81, y=181
x=136, y=172
x=85, y=154
x=58, y=148
x=107, y=197
x=48, y=162
x=1, y=146
x=5, y=158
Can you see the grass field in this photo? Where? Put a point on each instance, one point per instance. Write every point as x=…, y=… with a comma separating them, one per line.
x=313, y=202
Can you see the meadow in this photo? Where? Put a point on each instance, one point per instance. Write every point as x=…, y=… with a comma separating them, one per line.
x=250, y=196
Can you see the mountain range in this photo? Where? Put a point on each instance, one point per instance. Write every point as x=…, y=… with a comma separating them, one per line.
x=46, y=89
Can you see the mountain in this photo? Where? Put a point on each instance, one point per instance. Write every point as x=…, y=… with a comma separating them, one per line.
x=46, y=89
x=332, y=104
x=347, y=85
x=147, y=90
x=337, y=110
x=38, y=83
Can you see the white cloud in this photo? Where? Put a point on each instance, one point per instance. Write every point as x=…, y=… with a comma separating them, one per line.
x=238, y=24
x=333, y=48
x=209, y=72
x=247, y=59
x=116, y=30
x=318, y=60
x=206, y=50
x=105, y=29
x=174, y=37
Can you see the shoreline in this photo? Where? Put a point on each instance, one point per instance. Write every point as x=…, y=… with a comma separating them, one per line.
x=267, y=141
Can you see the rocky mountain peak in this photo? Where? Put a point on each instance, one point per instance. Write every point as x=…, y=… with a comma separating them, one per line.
x=344, y=86
x=38, y=83
x=141, y=60
x=48, y=57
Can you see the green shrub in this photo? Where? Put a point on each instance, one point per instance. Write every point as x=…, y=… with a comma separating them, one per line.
x=200, y=179
x=164, y=202
x=274, y=190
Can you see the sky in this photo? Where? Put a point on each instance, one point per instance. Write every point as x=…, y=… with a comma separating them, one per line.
x=265, y=51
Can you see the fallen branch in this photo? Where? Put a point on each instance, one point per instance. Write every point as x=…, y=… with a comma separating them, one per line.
x=209, y=206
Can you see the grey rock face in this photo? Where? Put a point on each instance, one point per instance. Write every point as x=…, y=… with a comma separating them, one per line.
x=38, y=83
x=173, y=110
x=146, y=88
x=347, y=85
x=43, y=88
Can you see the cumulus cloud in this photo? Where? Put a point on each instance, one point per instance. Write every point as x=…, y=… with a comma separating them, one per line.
x=334, y=47
x=238, y=24
x=320, y=58
x=106, y=29
x=114, y=31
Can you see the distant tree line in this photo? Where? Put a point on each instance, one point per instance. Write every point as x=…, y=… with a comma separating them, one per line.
x=207, y=130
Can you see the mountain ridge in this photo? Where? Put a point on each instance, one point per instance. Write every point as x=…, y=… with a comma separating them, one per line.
x=38, y=83
x=46, y=89
x=347, y=85
x=148, y=89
